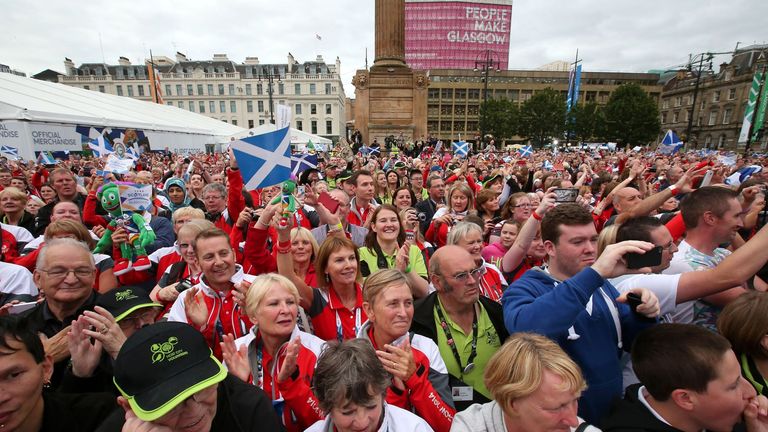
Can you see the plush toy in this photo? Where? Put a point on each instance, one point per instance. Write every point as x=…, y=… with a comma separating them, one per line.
x=288, y=200
x=140, y=234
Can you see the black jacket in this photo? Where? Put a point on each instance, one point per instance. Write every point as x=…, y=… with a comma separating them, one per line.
x=76, y=412
x=27, y=221
x=426, y=209
x=424, y=324
x=44, y=214
x=630, y=415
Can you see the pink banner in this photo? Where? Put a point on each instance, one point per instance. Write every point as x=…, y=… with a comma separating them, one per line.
x=454, y=35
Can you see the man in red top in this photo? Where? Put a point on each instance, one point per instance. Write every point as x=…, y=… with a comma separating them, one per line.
x=362, y=204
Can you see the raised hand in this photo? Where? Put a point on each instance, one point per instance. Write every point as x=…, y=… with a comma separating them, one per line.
x=235, y=359
x=195, y=307
x=290, y=360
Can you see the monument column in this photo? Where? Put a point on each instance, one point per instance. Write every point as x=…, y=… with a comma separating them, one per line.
x=390, y=33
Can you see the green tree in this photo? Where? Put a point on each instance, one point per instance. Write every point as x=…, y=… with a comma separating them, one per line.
x=587, y=122
x=498, y=117
x=632, y=116
x=542, y=117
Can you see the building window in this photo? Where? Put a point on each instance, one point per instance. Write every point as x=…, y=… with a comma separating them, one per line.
x=221, y=89
x=232, y=106
x=190, y=90
x=141, y=89
x=224, y=120
x=261, y=122
x=169, y=103
x=665, y=104
x=716, y=96
x=248, y=90
x=708, y=141
x=200, y=90
x=327, y=88
x=101, y=89
x=250, y=124
x=703, y=104
x=721, y=142
x=475, y=94
x=299, y=125
x=328, y=109
x=313, y=109
x=178, y=90
x=259, y=89
x=180, y=104
x=167, y=90
x=234, y=122
x=678, y=101
x=249, y=106
x=212, y=106
x=328, y=127
x=280, y=88
x=314, y=126
x=675, y=117
x=222, y=107
x=687, y=115
x=260, y=106
x=210, y=89
x=297, y=88
x=86, y=87
x=201, y=106
x=663, y=118
x=727, y=116
x=732, y=94
x=192, y=106
x=312, y=89
x=231, y=89
x=130, y=90
x=119, y=90
x=712, y=118
x=297, y=109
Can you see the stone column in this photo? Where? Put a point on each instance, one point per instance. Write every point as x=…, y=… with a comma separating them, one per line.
x=390, y=33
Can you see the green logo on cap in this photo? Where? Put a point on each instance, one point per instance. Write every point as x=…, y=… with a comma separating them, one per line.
x=165, y=351
x=125, y=295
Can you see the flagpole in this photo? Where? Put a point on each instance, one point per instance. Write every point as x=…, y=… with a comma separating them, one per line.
x=754, y=118
x=154, y=79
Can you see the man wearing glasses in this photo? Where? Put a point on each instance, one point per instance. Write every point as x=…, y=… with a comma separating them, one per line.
x=467, y=327
x=65, y=275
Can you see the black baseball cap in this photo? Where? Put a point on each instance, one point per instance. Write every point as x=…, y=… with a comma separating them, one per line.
x=399, y=164
x=122, y=301
x=163, y=364
x=343, y=176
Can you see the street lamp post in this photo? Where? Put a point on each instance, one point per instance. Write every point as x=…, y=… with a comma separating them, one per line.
x=485, y=62
x=701, y=57
x=270, y=77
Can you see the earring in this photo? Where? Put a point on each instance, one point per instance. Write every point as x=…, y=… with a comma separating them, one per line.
x=327, y=278
x=47, y=384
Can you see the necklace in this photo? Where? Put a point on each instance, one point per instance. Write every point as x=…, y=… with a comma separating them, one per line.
x=452, y=344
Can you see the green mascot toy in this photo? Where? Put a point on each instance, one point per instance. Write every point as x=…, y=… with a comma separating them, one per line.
x=288, y=200
x=140, y=234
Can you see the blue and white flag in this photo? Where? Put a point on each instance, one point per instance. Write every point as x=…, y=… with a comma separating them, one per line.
x=526, y=151
x=370, y=151
x=728, y=159
x=547, y=165
x=461, y=148
x=302, y=162
x=46, y=158
x=11, y=152
x=265, y=160
x=742, y=175
x=100, y=147
x=131, y=152
x=89, y=131
x=671, y=143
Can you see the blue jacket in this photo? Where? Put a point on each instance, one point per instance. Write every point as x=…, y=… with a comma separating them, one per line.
x=538, y=303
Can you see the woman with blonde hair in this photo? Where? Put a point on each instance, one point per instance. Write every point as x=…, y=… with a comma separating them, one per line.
x=461, y=202
x=13, y=203
x=535, y=387
x=414, y=361
x=381, y=188
x=744, y=323
x=469, y=236
x=275, y=355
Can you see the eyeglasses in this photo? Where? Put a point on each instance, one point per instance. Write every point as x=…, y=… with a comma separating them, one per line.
x=476, y=274
x=146, y=317
x=61, y=273
x=524, y=206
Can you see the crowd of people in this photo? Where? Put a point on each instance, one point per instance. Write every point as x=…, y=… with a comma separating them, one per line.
x=580, y=290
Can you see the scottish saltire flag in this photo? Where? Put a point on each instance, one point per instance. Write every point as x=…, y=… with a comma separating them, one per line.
x=370, y=151
x=47, y=158
x=526, y=151
x=461, y=148
x=671, y=143
x=100, y=147
x=265, y=159
x=302, y=162
x=547, y=165
x=742, y=175
x=131, y=152
x=89, y=131
x=9, y=151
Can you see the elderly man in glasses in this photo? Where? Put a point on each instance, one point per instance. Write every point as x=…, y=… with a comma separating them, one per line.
x=467, y=326
x=65, y=275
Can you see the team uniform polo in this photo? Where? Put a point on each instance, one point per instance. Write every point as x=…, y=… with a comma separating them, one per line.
x=488, y=343
x=331, y=320
x=415, y=260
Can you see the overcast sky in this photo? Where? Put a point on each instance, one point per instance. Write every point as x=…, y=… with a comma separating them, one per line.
x=631, y=36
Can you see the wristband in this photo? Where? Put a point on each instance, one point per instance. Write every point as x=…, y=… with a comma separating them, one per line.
x=674, y=190
x=283, y=244
x=536, y=216
x=283, y=250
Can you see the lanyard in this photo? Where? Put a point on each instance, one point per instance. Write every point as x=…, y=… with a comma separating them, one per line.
x=340, y=328
x=451, y=343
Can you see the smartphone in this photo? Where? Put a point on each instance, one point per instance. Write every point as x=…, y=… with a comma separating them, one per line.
x=496, y=220
x=331, y=204
x=565, y=194
x=21, y=307
x=651, y=258
x=634, y=300
x=300, y=190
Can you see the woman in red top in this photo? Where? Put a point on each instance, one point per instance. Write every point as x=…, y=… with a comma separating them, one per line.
x=461, y=202
x=336, y=307
x=528, y=250
x=275, y=355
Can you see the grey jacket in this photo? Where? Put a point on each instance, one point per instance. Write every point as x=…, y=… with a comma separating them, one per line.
x=490, y=418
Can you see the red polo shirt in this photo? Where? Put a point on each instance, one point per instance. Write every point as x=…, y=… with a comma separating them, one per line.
x=328, y=313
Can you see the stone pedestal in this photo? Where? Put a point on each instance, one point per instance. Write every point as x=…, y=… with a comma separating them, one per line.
x=390, y=98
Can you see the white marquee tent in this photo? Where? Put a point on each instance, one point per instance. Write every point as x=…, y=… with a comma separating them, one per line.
x=42, y=116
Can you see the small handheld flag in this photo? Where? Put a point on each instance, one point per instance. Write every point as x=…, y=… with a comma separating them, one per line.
x=9, y=151
x=302, y=162
x=526, y=151
x=742, y=175
x=461, y=148
x=671, y=143
x=47, y=158
x=265, y=159
x=100, y=147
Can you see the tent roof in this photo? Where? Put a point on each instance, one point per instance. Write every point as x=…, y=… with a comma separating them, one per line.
x=297, y=136
x=40, y=101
